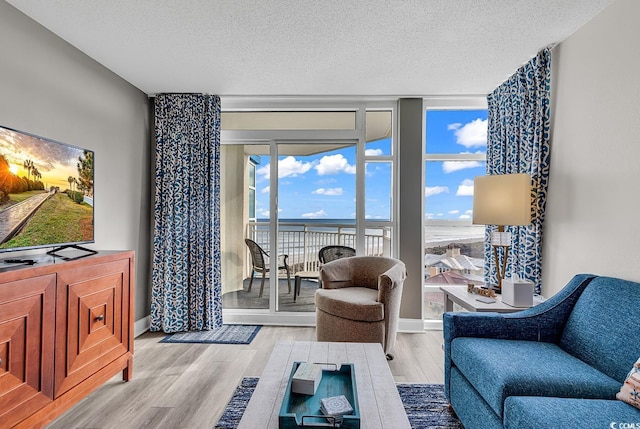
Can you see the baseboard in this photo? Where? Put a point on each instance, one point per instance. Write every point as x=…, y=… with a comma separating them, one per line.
x=433, y=325
x=247, y=317
x=411, y=325
x=296, y=319
x=141, y=326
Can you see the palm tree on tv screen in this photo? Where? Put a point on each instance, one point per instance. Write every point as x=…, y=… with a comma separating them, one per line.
x=85, y=171
x=28, y=165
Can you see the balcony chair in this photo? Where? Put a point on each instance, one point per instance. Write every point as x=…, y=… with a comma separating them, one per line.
x=326, y=254
x=333, y=252
x=261, y=265
x=360, y=300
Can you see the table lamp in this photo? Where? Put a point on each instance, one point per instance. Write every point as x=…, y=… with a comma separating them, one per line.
x=501, y=200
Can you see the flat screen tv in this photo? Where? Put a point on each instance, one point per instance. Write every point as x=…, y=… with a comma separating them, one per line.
x=46, y=193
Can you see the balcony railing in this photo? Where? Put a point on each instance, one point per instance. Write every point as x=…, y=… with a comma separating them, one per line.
x=302, y=241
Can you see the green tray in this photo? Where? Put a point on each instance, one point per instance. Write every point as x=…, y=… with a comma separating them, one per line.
x=303, y=411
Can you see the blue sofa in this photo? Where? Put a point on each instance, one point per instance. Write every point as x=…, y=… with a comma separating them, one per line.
x=556, y=365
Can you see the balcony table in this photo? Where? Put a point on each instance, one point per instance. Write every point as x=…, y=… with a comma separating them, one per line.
x=298, y=281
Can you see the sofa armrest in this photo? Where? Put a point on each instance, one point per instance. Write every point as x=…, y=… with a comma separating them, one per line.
x=544, y=322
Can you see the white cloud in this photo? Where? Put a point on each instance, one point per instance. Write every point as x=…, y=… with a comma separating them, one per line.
x=468, y=214
x=266, y=190
x=334, y=164
x=325, y=181
x=288, y=166
x=454, y=126
x=373, y=152
x=465, y=189
x=328, y=191
x=453, y=211
x=313, y=215
x=472, y=133
x=264, y=172
x=266, y=213
x=435, y=190
x=451, y=166
x=429, y=215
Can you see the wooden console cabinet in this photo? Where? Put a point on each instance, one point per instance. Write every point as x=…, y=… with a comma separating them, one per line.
x=66, y=327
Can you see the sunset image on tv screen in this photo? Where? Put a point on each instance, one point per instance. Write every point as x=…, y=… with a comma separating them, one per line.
x=46, y=192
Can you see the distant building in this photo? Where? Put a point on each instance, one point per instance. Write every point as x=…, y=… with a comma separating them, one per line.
x=451, y=278
x=453, y=268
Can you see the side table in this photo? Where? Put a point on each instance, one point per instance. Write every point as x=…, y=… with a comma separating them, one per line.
x=468, y=301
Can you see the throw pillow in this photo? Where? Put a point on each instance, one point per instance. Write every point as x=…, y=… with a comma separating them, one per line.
x=630, y=390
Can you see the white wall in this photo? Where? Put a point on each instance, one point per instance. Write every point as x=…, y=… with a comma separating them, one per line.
x=51, y=89
x=593, y=222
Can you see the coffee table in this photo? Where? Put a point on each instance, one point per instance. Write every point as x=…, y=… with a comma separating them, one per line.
x=469, y=301
x=378, y=398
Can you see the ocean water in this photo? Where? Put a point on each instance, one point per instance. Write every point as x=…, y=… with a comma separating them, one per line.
x=440, y=234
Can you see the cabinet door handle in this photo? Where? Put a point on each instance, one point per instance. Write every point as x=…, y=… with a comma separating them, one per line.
x=100, y=318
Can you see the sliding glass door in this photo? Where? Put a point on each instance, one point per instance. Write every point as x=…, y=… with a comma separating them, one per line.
x=294, y=182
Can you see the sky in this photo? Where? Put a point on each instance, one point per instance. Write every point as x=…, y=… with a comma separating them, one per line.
x=323, y=186
x=449, y=184
x=55, y=161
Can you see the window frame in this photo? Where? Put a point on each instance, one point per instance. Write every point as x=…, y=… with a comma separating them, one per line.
x=444, y=103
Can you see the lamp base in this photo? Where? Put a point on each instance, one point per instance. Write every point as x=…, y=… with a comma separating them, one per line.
x=496, y=288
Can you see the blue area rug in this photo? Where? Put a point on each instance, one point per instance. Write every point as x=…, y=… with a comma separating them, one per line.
x=226, y=334
x=425, y=405
x=235, y=408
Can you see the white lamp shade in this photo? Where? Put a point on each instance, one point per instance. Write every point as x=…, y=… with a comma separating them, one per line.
x=502, y=200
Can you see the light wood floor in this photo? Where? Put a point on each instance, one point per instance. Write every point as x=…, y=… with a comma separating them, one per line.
x=187, y=386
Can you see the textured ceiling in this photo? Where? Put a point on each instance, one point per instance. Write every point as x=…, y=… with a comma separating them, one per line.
x=320, y=47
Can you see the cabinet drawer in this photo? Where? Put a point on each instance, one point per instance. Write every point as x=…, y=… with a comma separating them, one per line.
x=93, y=323
x=27, y=319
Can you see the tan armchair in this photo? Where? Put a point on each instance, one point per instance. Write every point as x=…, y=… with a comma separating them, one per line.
x=360, y=300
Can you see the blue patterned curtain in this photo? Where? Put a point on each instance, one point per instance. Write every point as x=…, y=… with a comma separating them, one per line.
x=518, y=142
x=186, y=289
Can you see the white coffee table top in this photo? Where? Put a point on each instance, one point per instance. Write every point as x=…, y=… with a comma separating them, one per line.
x=378, y=397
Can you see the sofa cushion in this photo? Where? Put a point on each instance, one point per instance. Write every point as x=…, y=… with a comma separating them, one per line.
x=498, y=369
x=600, y=329
x=471, y=409
x=630, y=390
x=353, y=303
x=526, y=412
